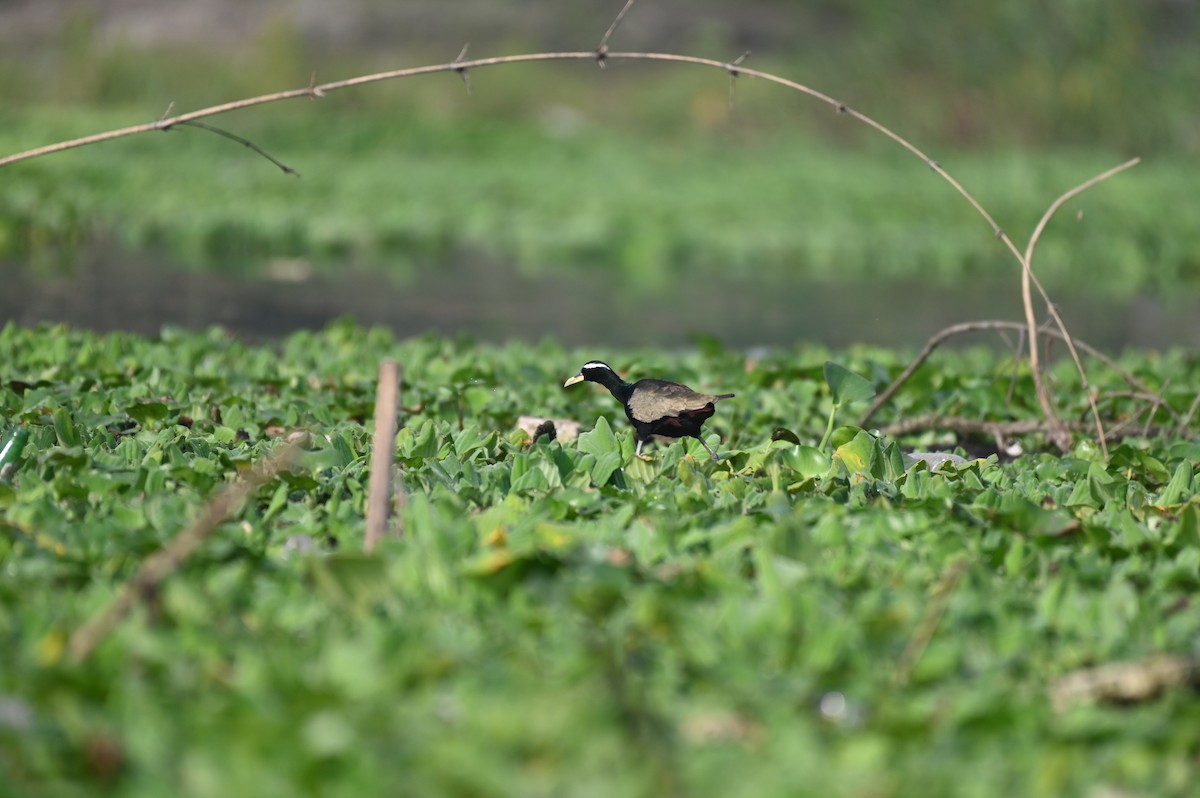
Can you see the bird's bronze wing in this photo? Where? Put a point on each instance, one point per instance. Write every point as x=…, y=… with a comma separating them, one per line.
x=656, y=399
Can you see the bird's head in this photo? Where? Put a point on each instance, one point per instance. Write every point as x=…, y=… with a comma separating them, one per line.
x=595, y=371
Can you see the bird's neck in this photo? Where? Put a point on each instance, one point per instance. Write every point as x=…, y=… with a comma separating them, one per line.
x=616, y=386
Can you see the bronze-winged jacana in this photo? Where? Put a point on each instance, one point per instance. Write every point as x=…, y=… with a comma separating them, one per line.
x=656, y=407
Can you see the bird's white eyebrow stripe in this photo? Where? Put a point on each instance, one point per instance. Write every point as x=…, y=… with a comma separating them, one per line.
x=595, y=364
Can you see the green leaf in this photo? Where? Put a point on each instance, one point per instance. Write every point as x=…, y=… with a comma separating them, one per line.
x=860, y=454
x=1180, y=486
x=1015, y=556
x=605, y=466
x=1186, y=533
x=892, y=461
x=600, y=440
x=472, y=438
x=808, y=461
x=843, y=435
x=418, y=444
x=349, y=578
x=527, y=475
x=65, y=429
x=146, y=413
x=846, y=386
x=1083, y=496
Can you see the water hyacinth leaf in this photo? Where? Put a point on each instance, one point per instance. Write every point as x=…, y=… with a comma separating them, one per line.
x=65, y=428
x=1088, y=449
x=599, y=440
x=846, y=386
x=776, y=598
x=343, y=445
x=1184, y=450
x=861, y=454
x=565, y=460
x=1083, y=495
x=892, y=461
x=477, y=399
x=581, y=474
x=1100, y=484
x=528, y=476
x=129, y=516
x=147, y=413
x=755, y=459
x=641, y=471
x=65, y=457
x=519, y=465
x=606, y=465
x=472, y=438
x=349, y=578
x=1140, y=463
x=419, y=444
x=1015, y=557
x=299, y=481
x=1186, y=532
x=843, y=435
x=550, y=470
x=1179, y=489
x=808, y=461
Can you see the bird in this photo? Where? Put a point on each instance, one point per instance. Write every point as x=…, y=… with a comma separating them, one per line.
x=655, y=407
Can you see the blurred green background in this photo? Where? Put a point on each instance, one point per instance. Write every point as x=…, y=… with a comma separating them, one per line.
x=558, y=200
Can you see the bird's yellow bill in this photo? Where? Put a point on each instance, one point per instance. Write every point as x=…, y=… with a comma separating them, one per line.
x=573, y=380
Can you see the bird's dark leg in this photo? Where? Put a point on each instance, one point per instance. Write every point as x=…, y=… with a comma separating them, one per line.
x=710, y=450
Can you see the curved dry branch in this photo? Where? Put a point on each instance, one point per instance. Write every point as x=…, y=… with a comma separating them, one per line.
x=1187, y=417
x=938, y=338
x=1062, y=438
x=600, y=55
x=313, y=91
x=460, y=66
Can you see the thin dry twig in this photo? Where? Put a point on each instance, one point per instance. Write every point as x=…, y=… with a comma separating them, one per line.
x=243, y=141
x=1187, y=417
x=1027, y=276
x=602, y=48
x=1154, y=400
x=942, y=591
x=383, y=452
x=941, y=336
x=884, y=396
x=158, y=566
x=462, y=72
x=732, y=69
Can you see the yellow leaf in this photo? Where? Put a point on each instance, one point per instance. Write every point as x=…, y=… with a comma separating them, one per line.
x=497, y=537
x=51, y=647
